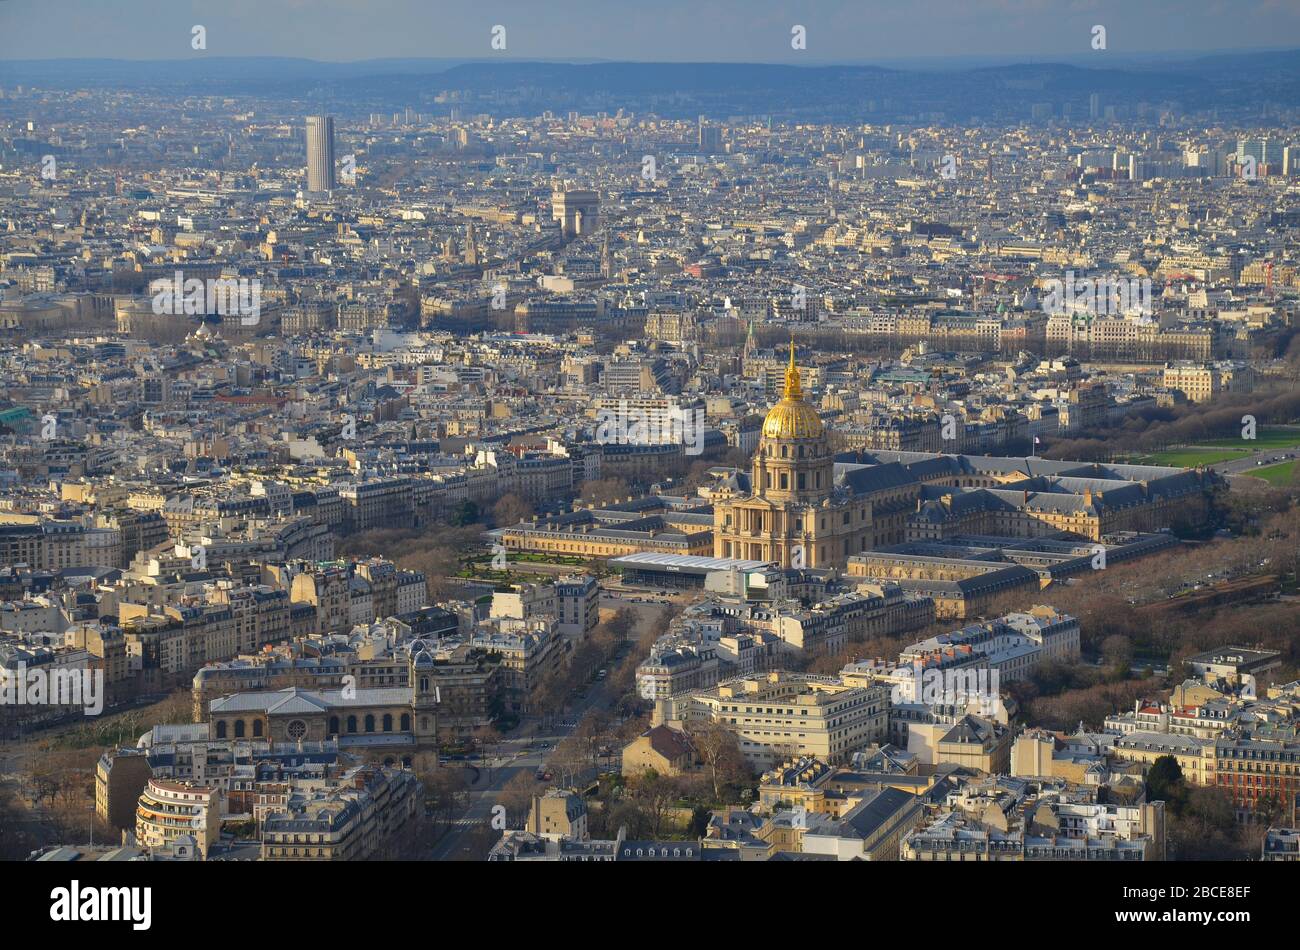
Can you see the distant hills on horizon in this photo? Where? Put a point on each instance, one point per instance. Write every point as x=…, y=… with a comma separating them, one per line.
x=1228, y=81
x=384, y=65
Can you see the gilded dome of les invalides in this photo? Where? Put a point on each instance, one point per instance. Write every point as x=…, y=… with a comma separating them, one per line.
x=792, y=418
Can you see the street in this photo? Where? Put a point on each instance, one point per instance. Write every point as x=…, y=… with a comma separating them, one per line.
x=1249, y=463
x=520, y=752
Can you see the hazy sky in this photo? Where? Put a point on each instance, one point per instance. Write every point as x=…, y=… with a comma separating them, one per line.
x=660, y=30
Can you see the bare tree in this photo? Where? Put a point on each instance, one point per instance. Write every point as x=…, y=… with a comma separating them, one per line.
x=720, y=752
x=444, y=791
x=603, y=491
x=569, y=759
x=512, y=508
x=655, y=796
x=486, y=738
x=620, y=625
x=517, y=797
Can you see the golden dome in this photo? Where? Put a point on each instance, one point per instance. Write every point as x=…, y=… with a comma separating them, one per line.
x=792, y=418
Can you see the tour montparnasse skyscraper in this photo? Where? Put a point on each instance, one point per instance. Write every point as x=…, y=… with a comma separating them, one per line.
x=320, y=153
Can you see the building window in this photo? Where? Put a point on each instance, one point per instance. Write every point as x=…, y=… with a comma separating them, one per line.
x=296, y=730
x=370, y=723
x=239, y=728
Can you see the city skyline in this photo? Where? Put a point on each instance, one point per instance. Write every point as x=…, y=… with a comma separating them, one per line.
x=660, y=434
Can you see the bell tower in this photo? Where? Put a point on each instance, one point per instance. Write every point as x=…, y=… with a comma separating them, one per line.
x=424, y=696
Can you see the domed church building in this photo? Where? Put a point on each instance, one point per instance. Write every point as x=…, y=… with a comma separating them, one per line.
x=792, y=512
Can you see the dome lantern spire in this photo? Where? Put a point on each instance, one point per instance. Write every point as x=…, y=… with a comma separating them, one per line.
x=792, y=417
x=793, y=389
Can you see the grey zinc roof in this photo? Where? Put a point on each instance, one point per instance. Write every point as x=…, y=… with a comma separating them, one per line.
x=867, y=479
x=287, y=701
x=968, y=729
x=863, y=819
x=371, y=696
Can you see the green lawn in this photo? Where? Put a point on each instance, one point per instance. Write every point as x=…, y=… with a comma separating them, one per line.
x=1213, y=451
x=1276, y=474
x=1190, y=458
x=1269, y=437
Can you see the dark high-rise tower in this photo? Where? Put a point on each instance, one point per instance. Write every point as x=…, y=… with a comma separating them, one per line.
x=710, y=137
x=320, y=153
